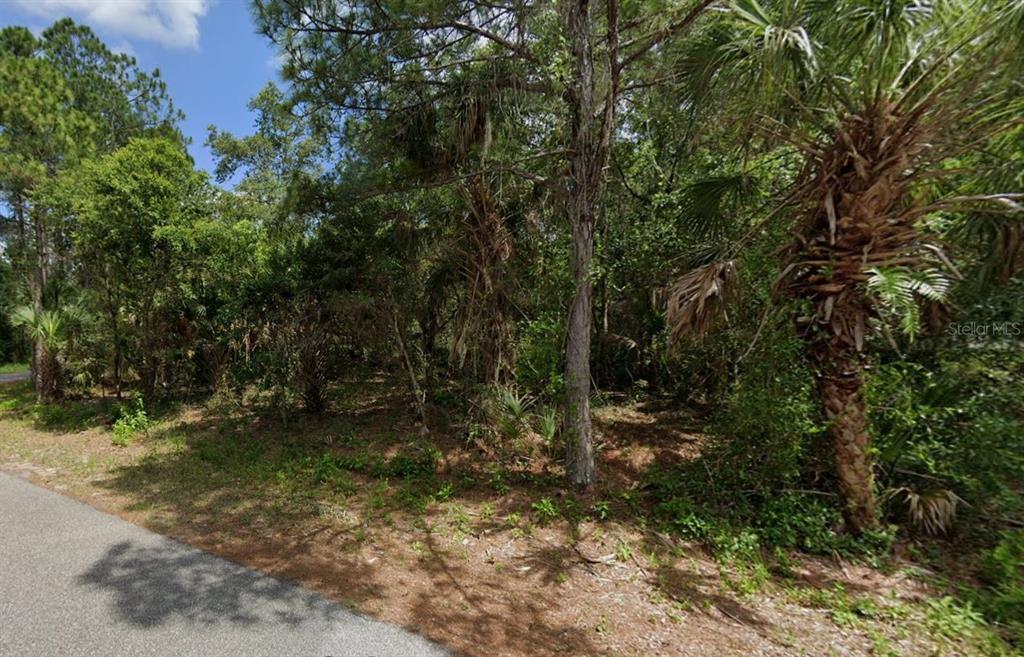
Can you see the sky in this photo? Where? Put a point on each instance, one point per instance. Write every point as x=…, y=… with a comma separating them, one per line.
x=207, y=51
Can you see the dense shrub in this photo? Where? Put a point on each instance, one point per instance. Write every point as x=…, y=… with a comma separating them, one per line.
x=539, y=356
x=1003, y=599
x=950, y=421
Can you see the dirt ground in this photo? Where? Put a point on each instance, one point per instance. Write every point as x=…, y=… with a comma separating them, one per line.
x=476, y=570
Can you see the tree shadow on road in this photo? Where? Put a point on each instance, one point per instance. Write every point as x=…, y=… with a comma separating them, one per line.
x=154, y=585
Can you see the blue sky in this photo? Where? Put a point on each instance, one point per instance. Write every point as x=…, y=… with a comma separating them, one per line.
x=208, y=52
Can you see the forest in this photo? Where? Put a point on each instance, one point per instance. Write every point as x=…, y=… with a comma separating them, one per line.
x=730, y=291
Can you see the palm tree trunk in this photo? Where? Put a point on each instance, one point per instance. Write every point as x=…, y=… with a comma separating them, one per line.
x=858, y=214
x=491, y=249
x=841, y=386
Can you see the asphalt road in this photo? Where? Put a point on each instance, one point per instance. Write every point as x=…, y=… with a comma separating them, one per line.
x=15, y=376
x=75, y=581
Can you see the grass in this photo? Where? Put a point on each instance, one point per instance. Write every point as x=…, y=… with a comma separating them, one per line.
x=13, y=368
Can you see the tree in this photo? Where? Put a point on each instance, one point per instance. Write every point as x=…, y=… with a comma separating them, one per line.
x=122, y=100
x=878, y=99
x=383, y=58
x=48, y=330
x=40, y=133
x=125, y=207
x=66, y=98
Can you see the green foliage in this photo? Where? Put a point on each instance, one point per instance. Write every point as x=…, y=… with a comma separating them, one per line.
x=412, y=241
x=334, y=472
x=800, y=521
x=1002, y=600
x=764, y=431
x=751, y=528
x=900, y=292
x=508, y=427
x=547, y=424
x=602, y=510
x=950, y=421
x=545, y=511
x=414, y=460
x=539, y=358
x=69, y=416
x=47, y=326
x=768, y=424
x=131, y=421
x=960, y=623
x=512, y=404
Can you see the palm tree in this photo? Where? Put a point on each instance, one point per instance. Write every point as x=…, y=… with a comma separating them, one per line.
x=878, y=97
x=46, y=329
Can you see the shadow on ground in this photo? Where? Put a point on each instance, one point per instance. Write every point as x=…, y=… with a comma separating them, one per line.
x=255, y=491
x=153, y=585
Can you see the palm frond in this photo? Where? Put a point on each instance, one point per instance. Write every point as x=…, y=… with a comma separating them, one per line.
x=932, y=510
x=47, y=326
x=699, y=297
x=709, y=202
x=901, y=291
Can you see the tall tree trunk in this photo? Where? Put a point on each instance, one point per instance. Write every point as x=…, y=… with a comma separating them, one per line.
x=146, y=369
x=23, y=251
x=841, y=386
x=113, y=312
x=590, y=122
x=583, y=191
x=40, y=358
x=604, y=371
x=1010, y=251
x=580, y=443
x=118, y=357
x=418, y=394
x=860, y=215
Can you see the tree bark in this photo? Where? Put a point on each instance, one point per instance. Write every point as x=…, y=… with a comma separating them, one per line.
x=841, y=387
x=147, y=365
x=580, y=446
x=113, y=311
x=418, y=394
x=486, y=325
x=584, y=187
x=591, y=120
x=40, y=358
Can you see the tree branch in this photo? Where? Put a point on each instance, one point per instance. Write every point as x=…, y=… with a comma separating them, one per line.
x=659, y=36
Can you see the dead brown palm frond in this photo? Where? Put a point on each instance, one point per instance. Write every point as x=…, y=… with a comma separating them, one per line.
x=699, y=297
x=933, y=510
x=482, y=330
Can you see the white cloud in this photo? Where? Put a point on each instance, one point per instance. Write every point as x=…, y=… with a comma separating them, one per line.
x=124, y=48
x=173, y=23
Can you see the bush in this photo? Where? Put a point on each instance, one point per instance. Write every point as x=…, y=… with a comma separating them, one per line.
x=545, y=511
x=539, y=356
x=948, y=422
x=131, y=421
x=1003, y=599
x=801, y=521
x=769, y=427
x=415, y=460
